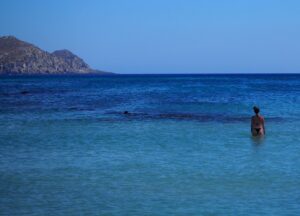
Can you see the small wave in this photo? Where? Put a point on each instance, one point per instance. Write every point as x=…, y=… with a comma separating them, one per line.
x=189, y=116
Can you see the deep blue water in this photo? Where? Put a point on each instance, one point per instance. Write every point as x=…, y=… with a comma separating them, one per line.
x=66, y=148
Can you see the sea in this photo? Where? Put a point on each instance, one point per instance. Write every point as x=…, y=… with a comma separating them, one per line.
x=184, y=147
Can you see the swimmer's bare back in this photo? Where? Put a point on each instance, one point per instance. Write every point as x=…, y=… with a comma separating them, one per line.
x=257, y=125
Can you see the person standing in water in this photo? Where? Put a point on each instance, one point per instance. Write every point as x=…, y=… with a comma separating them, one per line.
x=257, y=123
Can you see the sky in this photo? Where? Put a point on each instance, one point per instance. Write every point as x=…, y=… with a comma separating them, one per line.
x=163, y=36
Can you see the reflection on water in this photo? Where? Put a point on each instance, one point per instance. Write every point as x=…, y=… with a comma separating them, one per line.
x=257, y=140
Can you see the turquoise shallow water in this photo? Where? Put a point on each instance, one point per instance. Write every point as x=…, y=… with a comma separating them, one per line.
x=185, y=149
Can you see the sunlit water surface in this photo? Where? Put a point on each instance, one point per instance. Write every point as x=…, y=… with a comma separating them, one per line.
x=66, y=148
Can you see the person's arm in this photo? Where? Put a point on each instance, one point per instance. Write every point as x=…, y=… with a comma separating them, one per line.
x=251, y=124
x=263, y=124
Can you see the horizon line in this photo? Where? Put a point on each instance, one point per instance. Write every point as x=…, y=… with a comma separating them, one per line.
x=137, y=74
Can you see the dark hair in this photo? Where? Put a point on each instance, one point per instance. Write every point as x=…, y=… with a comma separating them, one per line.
x=256, y=109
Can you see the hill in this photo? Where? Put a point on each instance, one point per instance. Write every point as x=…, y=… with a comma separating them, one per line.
x=22, y=58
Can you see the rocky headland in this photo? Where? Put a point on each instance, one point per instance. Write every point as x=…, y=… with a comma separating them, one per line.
x=21, y=58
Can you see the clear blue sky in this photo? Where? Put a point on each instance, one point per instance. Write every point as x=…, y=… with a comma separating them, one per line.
x=164, y=36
